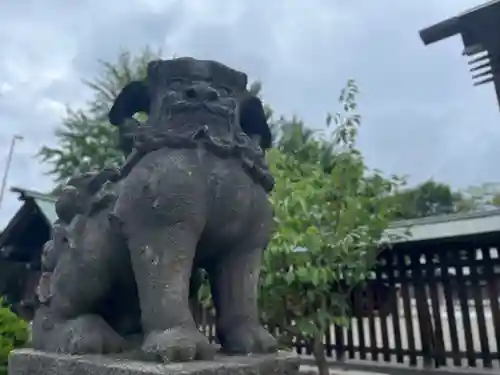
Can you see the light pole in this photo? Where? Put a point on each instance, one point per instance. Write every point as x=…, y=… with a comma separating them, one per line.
x=15, y=138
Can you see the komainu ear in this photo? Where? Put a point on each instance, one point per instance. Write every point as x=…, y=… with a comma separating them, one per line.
x=133, y=98
x=253, y=120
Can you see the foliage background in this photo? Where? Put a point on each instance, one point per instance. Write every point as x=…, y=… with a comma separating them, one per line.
x=86, y=139
x=331, y=212
x=13, y=334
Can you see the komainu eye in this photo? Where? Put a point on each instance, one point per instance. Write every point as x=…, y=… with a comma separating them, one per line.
x=223, y=91
x=191, y=93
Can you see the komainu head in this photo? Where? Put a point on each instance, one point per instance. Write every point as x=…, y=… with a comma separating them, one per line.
x=184, y=93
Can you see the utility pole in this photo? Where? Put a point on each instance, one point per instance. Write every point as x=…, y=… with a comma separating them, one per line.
x=15, y=138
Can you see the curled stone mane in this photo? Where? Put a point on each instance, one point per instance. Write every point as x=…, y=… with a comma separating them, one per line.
x=148, y=139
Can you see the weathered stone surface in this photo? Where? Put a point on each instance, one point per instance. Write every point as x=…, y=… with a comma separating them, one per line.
x=191, y=195
x=31, y=362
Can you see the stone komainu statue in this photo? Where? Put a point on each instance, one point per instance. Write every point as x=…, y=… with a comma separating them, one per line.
x=192, y=194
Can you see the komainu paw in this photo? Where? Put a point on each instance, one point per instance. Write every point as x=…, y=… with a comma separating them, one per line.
x=246, y=339
x=178, y=344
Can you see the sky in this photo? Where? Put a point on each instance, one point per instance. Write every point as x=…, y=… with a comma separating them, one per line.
x=421, y=115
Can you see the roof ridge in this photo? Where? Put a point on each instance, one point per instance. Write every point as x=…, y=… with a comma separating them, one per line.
x=28, y=193
x=445, y=218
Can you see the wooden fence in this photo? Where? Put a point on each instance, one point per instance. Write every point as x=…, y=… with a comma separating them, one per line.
x=434, y=304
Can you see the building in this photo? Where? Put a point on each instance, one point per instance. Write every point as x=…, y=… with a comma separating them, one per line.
x=479, y=28
x=21, y=243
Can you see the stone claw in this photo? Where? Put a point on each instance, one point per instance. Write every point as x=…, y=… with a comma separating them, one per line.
x=83, y=335
x=178, y=344
x=247, y=339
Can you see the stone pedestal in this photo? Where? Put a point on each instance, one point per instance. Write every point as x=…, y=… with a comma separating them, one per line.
x=31, y=362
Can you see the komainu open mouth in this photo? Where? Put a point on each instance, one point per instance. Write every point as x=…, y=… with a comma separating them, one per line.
x=184, y=115
x=202, y=107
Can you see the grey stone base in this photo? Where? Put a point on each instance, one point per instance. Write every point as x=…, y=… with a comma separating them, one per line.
x=31, y=362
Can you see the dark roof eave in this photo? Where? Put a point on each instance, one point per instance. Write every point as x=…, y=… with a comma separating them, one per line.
x=460, y=24
x=25, y=194
x=440, y=31
x=478, y=27
x=24, y=211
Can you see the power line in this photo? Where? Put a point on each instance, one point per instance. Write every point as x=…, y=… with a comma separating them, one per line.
x=8, y=163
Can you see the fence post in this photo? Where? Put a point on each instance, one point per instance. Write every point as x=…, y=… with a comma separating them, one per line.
x=339, y=343
x=423, y=312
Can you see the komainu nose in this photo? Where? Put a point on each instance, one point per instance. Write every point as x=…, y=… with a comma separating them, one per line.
x=202, y=91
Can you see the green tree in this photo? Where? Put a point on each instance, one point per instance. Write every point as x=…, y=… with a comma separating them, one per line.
x=482, y=197
x=13, y=334
x=305, y=144
x=330, y=227
x=86, y=140
x=429, y=199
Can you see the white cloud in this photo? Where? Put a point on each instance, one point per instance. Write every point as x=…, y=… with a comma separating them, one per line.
x=51, y=107
x=5, y=88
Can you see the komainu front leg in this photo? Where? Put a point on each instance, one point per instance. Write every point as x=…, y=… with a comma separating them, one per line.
x=162, y=261
x=161, y=211
x=234, y=280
